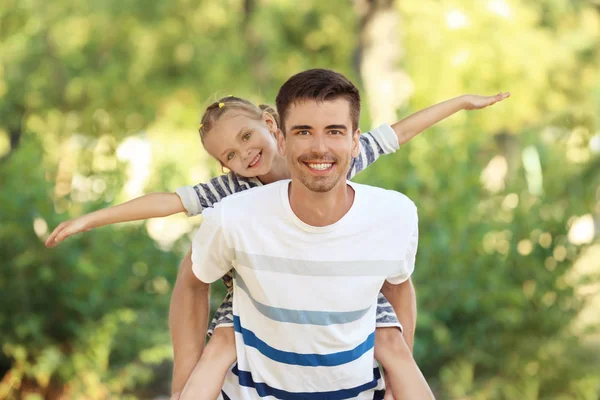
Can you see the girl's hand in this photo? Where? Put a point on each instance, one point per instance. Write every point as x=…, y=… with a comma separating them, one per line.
x=476, y=102
x=68, y=228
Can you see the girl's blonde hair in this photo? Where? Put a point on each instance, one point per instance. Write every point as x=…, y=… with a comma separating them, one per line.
x=219, y=108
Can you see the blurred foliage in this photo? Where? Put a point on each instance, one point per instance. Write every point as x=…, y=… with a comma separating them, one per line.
x=92, y=315
x=99, y=101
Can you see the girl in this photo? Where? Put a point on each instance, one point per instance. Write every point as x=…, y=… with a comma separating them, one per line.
x=241, y=137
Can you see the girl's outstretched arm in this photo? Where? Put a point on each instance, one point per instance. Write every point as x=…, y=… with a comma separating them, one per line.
x=189, y=199
x=416, y=123
x=152, y=205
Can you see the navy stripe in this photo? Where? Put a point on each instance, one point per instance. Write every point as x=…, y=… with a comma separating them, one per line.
x=207, y=199
x=223, y=188
x=225, y=397
x=368, y=150
x=380, y=150
x=216, y=184
x=305, y=360
x=245, y=379
x=355, y=167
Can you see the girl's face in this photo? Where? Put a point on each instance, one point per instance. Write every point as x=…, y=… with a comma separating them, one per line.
x=242, y=144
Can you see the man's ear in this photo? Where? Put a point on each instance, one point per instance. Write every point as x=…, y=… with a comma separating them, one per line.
x=281, y=143
x=356, y=143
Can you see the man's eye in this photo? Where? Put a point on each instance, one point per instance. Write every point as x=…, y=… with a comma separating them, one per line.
x=230, y=156
x=303, y=133
x=246, y=136
x=336, y=132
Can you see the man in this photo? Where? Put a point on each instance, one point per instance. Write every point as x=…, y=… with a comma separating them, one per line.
x=305, y=283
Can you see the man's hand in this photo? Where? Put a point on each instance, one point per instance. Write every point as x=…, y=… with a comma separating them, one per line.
x=68, y=228
x=476, y=102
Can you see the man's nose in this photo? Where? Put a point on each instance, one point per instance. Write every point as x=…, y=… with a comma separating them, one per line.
x=318, y=144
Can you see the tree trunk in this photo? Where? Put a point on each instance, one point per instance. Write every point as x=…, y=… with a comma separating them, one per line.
x=256, y=47
x=379, y=59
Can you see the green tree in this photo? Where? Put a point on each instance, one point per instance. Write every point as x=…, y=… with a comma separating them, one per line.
x=497, y=190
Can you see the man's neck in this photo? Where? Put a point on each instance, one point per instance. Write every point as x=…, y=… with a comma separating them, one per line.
x=320, y=209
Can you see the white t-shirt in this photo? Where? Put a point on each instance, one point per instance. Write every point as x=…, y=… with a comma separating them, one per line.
x=305, y=297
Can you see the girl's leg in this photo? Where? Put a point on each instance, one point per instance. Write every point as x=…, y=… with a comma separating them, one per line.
x=403, y=376
x=207, y=378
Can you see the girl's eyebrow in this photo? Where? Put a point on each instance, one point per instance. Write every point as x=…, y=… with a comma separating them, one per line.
x=225, y=152
x=242, y=130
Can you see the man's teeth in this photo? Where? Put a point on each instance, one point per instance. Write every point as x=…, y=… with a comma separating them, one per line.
x=320, y=167
x=253, y=163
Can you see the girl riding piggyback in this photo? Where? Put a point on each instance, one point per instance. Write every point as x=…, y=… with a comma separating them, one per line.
x=243, y=138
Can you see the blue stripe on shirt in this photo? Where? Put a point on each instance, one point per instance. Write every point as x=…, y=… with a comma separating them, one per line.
x=305, y=360
x=245, y=379
x=369, y=151
x=206, y=197
x=223, y=186
x=301, y=316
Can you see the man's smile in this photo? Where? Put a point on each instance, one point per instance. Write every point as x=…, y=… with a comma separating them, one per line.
x=320, y=166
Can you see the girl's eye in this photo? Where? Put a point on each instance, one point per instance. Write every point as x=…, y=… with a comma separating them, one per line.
x=230, y=156
x=246, y=136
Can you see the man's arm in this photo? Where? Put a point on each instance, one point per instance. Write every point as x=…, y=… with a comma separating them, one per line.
x=399, y=289
x=188, y=320
x=414, y=124
x=209, y=259
x=404, y=301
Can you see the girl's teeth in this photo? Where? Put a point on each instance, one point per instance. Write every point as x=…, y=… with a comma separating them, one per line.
x=320, y=167
x=253, y=163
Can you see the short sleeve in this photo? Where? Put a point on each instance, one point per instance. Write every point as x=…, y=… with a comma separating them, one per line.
x=373, y=144
x=408, y=266
x=211, y=254
x=204, y=195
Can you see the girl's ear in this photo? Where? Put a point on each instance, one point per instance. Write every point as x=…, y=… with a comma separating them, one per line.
x=224, y=169
x=270, y=121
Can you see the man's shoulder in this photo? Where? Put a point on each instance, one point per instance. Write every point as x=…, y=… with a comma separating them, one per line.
x=379, y=197
x=253, y=199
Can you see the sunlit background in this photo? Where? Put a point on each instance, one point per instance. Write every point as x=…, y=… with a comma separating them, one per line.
x=100, y=102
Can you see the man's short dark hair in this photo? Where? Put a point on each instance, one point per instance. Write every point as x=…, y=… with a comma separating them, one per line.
x=320, y=85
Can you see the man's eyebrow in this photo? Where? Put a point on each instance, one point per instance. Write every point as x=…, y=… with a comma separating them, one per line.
x=308, y=127
x=341, y=127
x=298, y=127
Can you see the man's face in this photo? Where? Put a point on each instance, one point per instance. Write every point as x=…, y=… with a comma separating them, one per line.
x=319, y=143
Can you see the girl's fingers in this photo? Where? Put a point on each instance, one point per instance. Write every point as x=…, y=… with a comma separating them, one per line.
x=52, y=237
x=65, y=233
